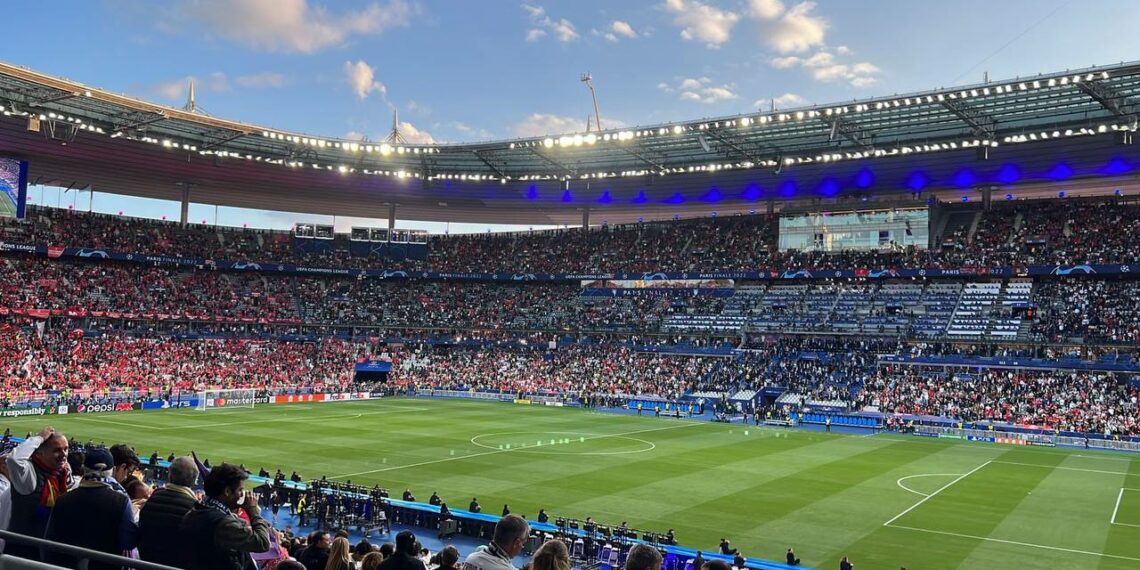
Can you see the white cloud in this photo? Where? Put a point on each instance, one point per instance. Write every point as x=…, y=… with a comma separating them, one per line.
x=415, y=135
x=788, y=30
x=702, y=22
x=292, y=26
x=174, y=89
x=540, y=124
x=766, y=9
x=418, y=108
x=782, y=102
x=823, y=66
x=843, y=50
x=562, y=28
x=700, y=90
x=264, y=79
x=623, y=29
x=362, y=78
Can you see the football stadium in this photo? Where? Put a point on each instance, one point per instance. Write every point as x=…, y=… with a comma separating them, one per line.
x=875, y=331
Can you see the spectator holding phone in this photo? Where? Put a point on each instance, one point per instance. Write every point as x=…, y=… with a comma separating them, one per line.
x=215, y=537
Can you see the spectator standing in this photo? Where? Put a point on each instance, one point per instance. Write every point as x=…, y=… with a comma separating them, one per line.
x=217, y=538
x=406, y=556
x=507, y=542
x=316, y=555
x=93, y=516
x=40, y=475
x=643, y=557
x=474, y=506
x=449, y=558
x=846, y=564
x=161, y=516
x=340, y=556
x=5, y=498
x=371, y=561
x=552, y=555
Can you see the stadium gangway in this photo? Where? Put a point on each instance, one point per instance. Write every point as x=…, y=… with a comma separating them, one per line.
x=84, y=556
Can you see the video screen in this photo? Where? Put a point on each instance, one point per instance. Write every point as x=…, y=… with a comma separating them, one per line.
x=13, y=187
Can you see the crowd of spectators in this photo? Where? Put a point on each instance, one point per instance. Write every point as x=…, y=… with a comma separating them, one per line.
x=1016, y=234
x=1055, y=399
x=1097, y=311
x=68, y=368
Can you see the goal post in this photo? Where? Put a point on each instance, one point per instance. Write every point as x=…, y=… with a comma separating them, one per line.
x=231, y=398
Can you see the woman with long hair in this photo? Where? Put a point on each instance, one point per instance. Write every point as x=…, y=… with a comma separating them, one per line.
x=340, y=557
x=552, y=555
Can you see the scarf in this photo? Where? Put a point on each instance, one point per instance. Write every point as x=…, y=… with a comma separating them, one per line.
x=56, y=481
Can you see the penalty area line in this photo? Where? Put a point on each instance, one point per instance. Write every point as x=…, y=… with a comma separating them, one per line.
x=1015, y=542
x=932, y=495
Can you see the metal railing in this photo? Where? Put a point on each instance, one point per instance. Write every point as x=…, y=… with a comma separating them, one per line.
x=84, y=556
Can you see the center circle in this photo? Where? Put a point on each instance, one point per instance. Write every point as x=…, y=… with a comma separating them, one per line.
x=559, y=442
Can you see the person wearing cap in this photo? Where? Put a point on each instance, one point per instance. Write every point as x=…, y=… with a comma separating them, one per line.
x=511, y=533
x=406, y=556
x=40, y=475
x=161, y=516
x=213, y=537
x=93, y=515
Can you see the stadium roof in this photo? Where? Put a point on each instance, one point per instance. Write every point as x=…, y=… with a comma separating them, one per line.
x=1045, y=128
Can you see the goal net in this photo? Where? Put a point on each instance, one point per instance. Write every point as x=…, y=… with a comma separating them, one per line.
x=233, y=398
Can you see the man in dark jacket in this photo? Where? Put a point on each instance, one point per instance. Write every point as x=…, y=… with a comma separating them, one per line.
x=161, y=516
x=406, y=555
x=216, y=537
x=316, y=555
x=93, y=516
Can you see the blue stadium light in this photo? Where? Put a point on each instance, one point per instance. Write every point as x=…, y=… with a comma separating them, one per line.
x=1061, y=194
x=751, y=192
x=714, y=213
x=1009, y=196
x=1118, y=192
x=1008, y=173
x=676, y=217
x=1061, y=171
x=605, y=198
x=965, y=178
x=788, y=188
x=640, y=219
x=532, y=193
x=829, y=188
x=864, y=178
x=965, y=198
x=917, y=180
x=676, y=198
x=713, y=195
x=1117, y=165
x=640, y=198
x=567, y=197
x=753, y=212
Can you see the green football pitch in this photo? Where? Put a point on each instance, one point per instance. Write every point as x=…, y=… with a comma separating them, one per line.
x=884, y=500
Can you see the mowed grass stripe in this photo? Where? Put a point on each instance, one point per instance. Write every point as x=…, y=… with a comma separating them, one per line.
x=1063, y=495
x=771, y=498
x=875, y=500
x=1123, y=540
x=974, y=506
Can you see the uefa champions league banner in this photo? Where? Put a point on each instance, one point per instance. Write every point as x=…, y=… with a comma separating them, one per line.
x=57, y=252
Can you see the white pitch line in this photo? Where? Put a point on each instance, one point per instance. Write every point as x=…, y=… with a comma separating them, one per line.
x=1117, y=507
x=905, y=488
x=1081, y=469
x=1016, y=543
x=285, y=417
x=930, y=496
x=493, y=452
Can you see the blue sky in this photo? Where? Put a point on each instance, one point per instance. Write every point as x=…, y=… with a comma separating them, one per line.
x=490, y=69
